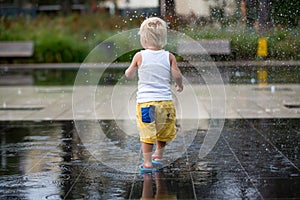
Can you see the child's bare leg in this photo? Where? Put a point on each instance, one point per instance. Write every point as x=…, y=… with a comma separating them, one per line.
x=147, y=153
x=159, y=151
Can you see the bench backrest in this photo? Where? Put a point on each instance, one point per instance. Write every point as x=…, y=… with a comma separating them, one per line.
x=204, y=47
x=16, y=49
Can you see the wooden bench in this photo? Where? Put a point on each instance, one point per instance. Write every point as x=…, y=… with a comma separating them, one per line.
x=56, y=8
x=16, y=49
x=202, y=48
x=49, y=8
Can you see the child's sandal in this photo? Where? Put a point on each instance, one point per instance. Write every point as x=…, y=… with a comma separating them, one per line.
x=145, y=169
x=156, y=158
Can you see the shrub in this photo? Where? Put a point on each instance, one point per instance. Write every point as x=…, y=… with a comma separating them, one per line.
x=71, y=38
x=282, y=44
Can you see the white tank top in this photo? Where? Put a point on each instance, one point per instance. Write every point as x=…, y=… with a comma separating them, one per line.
x=154, y=76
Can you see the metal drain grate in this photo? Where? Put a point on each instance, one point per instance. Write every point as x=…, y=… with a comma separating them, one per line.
x=291, y=106
x=21, y=108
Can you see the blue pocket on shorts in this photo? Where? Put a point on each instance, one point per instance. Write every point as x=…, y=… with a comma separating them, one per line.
x=148, y=114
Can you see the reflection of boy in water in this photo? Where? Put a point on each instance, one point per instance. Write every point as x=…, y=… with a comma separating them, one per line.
x=161, y=188
x=156, y=114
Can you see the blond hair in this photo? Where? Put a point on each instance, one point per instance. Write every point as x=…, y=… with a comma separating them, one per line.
x=153, y=32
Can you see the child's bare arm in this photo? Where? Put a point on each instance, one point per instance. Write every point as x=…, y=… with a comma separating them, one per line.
x=131, y=70
x=176, y=74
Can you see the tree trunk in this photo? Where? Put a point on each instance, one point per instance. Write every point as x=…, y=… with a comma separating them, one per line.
x=251, y=13
x=264, y=14
x=167, y=8
x=66, y=7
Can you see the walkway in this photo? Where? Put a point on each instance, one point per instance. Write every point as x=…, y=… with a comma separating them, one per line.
x=108, y=102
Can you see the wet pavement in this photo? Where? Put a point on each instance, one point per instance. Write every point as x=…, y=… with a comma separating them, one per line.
x=66, y=142
x=253, y=159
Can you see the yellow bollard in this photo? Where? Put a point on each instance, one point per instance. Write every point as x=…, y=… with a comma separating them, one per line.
x=262, y=51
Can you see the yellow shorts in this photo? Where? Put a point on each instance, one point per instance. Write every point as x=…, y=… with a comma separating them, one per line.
x=156, y=121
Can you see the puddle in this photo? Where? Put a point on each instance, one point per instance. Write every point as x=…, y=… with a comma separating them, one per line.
x=62, y=75
x=252, y=159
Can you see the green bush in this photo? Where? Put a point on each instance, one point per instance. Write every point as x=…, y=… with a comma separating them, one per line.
x=282, y=44
x=59, y=39
x=70, y=39
x=51, y=48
